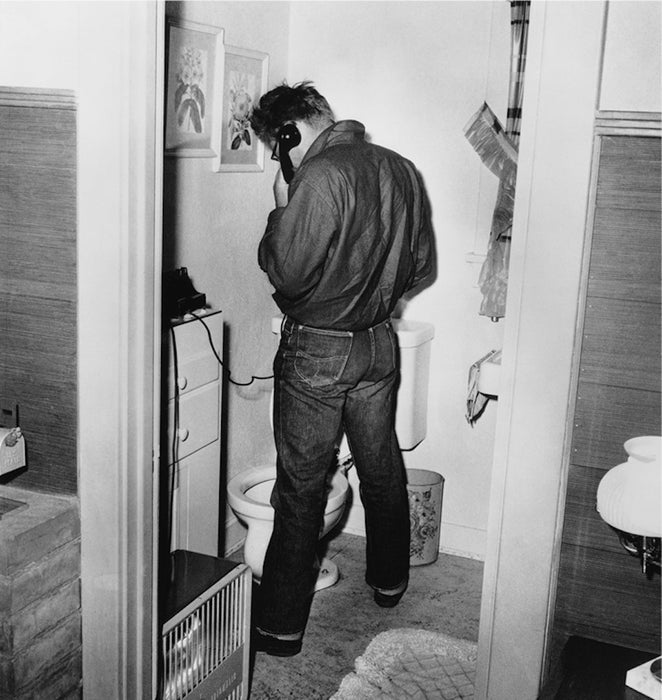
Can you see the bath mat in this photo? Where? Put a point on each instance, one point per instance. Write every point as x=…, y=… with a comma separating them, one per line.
x=412, y=664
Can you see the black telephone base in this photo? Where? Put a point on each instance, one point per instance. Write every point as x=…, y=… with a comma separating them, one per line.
x=179, y=295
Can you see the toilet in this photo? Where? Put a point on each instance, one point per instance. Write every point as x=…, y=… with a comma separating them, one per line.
x=248, y=496
x=249, y=491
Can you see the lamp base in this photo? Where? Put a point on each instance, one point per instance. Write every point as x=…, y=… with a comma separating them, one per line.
x=646, y=549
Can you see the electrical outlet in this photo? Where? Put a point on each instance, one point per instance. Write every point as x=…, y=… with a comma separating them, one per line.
x=8, y=415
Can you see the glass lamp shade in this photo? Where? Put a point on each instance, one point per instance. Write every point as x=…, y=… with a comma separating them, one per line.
x=629, y=495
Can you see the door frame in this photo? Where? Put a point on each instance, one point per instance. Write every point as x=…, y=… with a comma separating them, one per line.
x=120, y=166
x=528, y=475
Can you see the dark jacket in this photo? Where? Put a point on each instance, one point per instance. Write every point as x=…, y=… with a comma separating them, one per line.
x=354, y=236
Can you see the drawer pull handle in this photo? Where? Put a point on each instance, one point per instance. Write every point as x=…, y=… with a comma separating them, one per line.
x=182, y=382
x=182, y=434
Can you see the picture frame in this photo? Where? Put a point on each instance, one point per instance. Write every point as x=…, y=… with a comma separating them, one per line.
x=245, y=76
x=195, y=57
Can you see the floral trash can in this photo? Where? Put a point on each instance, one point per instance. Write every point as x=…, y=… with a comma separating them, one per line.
x=425, y=490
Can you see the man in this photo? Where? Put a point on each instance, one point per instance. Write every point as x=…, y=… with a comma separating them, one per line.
x=350, y=234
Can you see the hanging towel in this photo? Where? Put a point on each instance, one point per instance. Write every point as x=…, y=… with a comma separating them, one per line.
x=485, y=133
x=497, y=147
x=476, y=401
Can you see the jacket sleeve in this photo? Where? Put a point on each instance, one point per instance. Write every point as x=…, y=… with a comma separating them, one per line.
x=422, y=248
x=297, y=239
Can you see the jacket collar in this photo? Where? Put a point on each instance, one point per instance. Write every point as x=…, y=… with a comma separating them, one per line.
x=347, y=131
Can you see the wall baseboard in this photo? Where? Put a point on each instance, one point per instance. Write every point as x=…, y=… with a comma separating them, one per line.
x=456, y=540
x=463, y=541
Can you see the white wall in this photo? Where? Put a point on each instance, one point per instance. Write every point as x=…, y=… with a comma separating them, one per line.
x=39, y=44
x=414, y=73
x=631, y=69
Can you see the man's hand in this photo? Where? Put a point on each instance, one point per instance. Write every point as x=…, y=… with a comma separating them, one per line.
x=280, y=189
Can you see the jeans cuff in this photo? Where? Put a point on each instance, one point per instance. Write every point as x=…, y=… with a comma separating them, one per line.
x=294, y=637
x=400, y=588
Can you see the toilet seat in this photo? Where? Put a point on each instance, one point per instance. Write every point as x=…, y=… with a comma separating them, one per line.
x=239, y=499
x=246, y=480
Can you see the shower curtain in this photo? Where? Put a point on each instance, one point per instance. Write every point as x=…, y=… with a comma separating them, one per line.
x=493, y=279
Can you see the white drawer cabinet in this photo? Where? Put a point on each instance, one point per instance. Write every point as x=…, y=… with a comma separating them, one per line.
x=194, y=392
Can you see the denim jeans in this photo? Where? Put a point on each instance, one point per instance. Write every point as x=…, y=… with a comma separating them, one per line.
x=327, y=382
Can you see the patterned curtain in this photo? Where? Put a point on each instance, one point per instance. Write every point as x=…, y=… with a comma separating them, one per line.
x=493, y=279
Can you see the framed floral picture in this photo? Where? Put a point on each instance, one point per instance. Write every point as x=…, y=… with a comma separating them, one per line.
x=193, y=96
x=245, y=77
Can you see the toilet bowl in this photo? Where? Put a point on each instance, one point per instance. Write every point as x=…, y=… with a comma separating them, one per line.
x=249, y=493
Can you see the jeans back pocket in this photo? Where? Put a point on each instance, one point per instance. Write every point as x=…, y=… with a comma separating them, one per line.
x=321, y=356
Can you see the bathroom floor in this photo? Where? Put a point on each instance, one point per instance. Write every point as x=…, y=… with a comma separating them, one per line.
x=442, y=597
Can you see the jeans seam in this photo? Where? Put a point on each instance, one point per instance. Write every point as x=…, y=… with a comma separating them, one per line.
x=373, y=355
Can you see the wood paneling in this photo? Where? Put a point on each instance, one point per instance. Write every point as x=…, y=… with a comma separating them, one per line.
x=607, y=416
x=582, y=524
x=601, y=590
x=625, y=261
x=38, y=326
x=606, y=597
x=54, y=277
x=621, y=344
x=629, y=175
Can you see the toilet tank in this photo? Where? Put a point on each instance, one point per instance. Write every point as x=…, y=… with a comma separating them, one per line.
x=414, y=339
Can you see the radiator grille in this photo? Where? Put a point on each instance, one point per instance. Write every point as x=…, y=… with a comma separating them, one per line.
x=206, y=645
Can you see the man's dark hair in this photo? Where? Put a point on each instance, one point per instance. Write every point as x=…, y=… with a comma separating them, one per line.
x=284, y=104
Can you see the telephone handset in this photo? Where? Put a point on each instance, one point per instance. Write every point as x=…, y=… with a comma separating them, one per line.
x=289, y=137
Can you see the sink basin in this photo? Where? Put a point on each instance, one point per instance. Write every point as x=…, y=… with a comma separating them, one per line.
x=489, y=377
